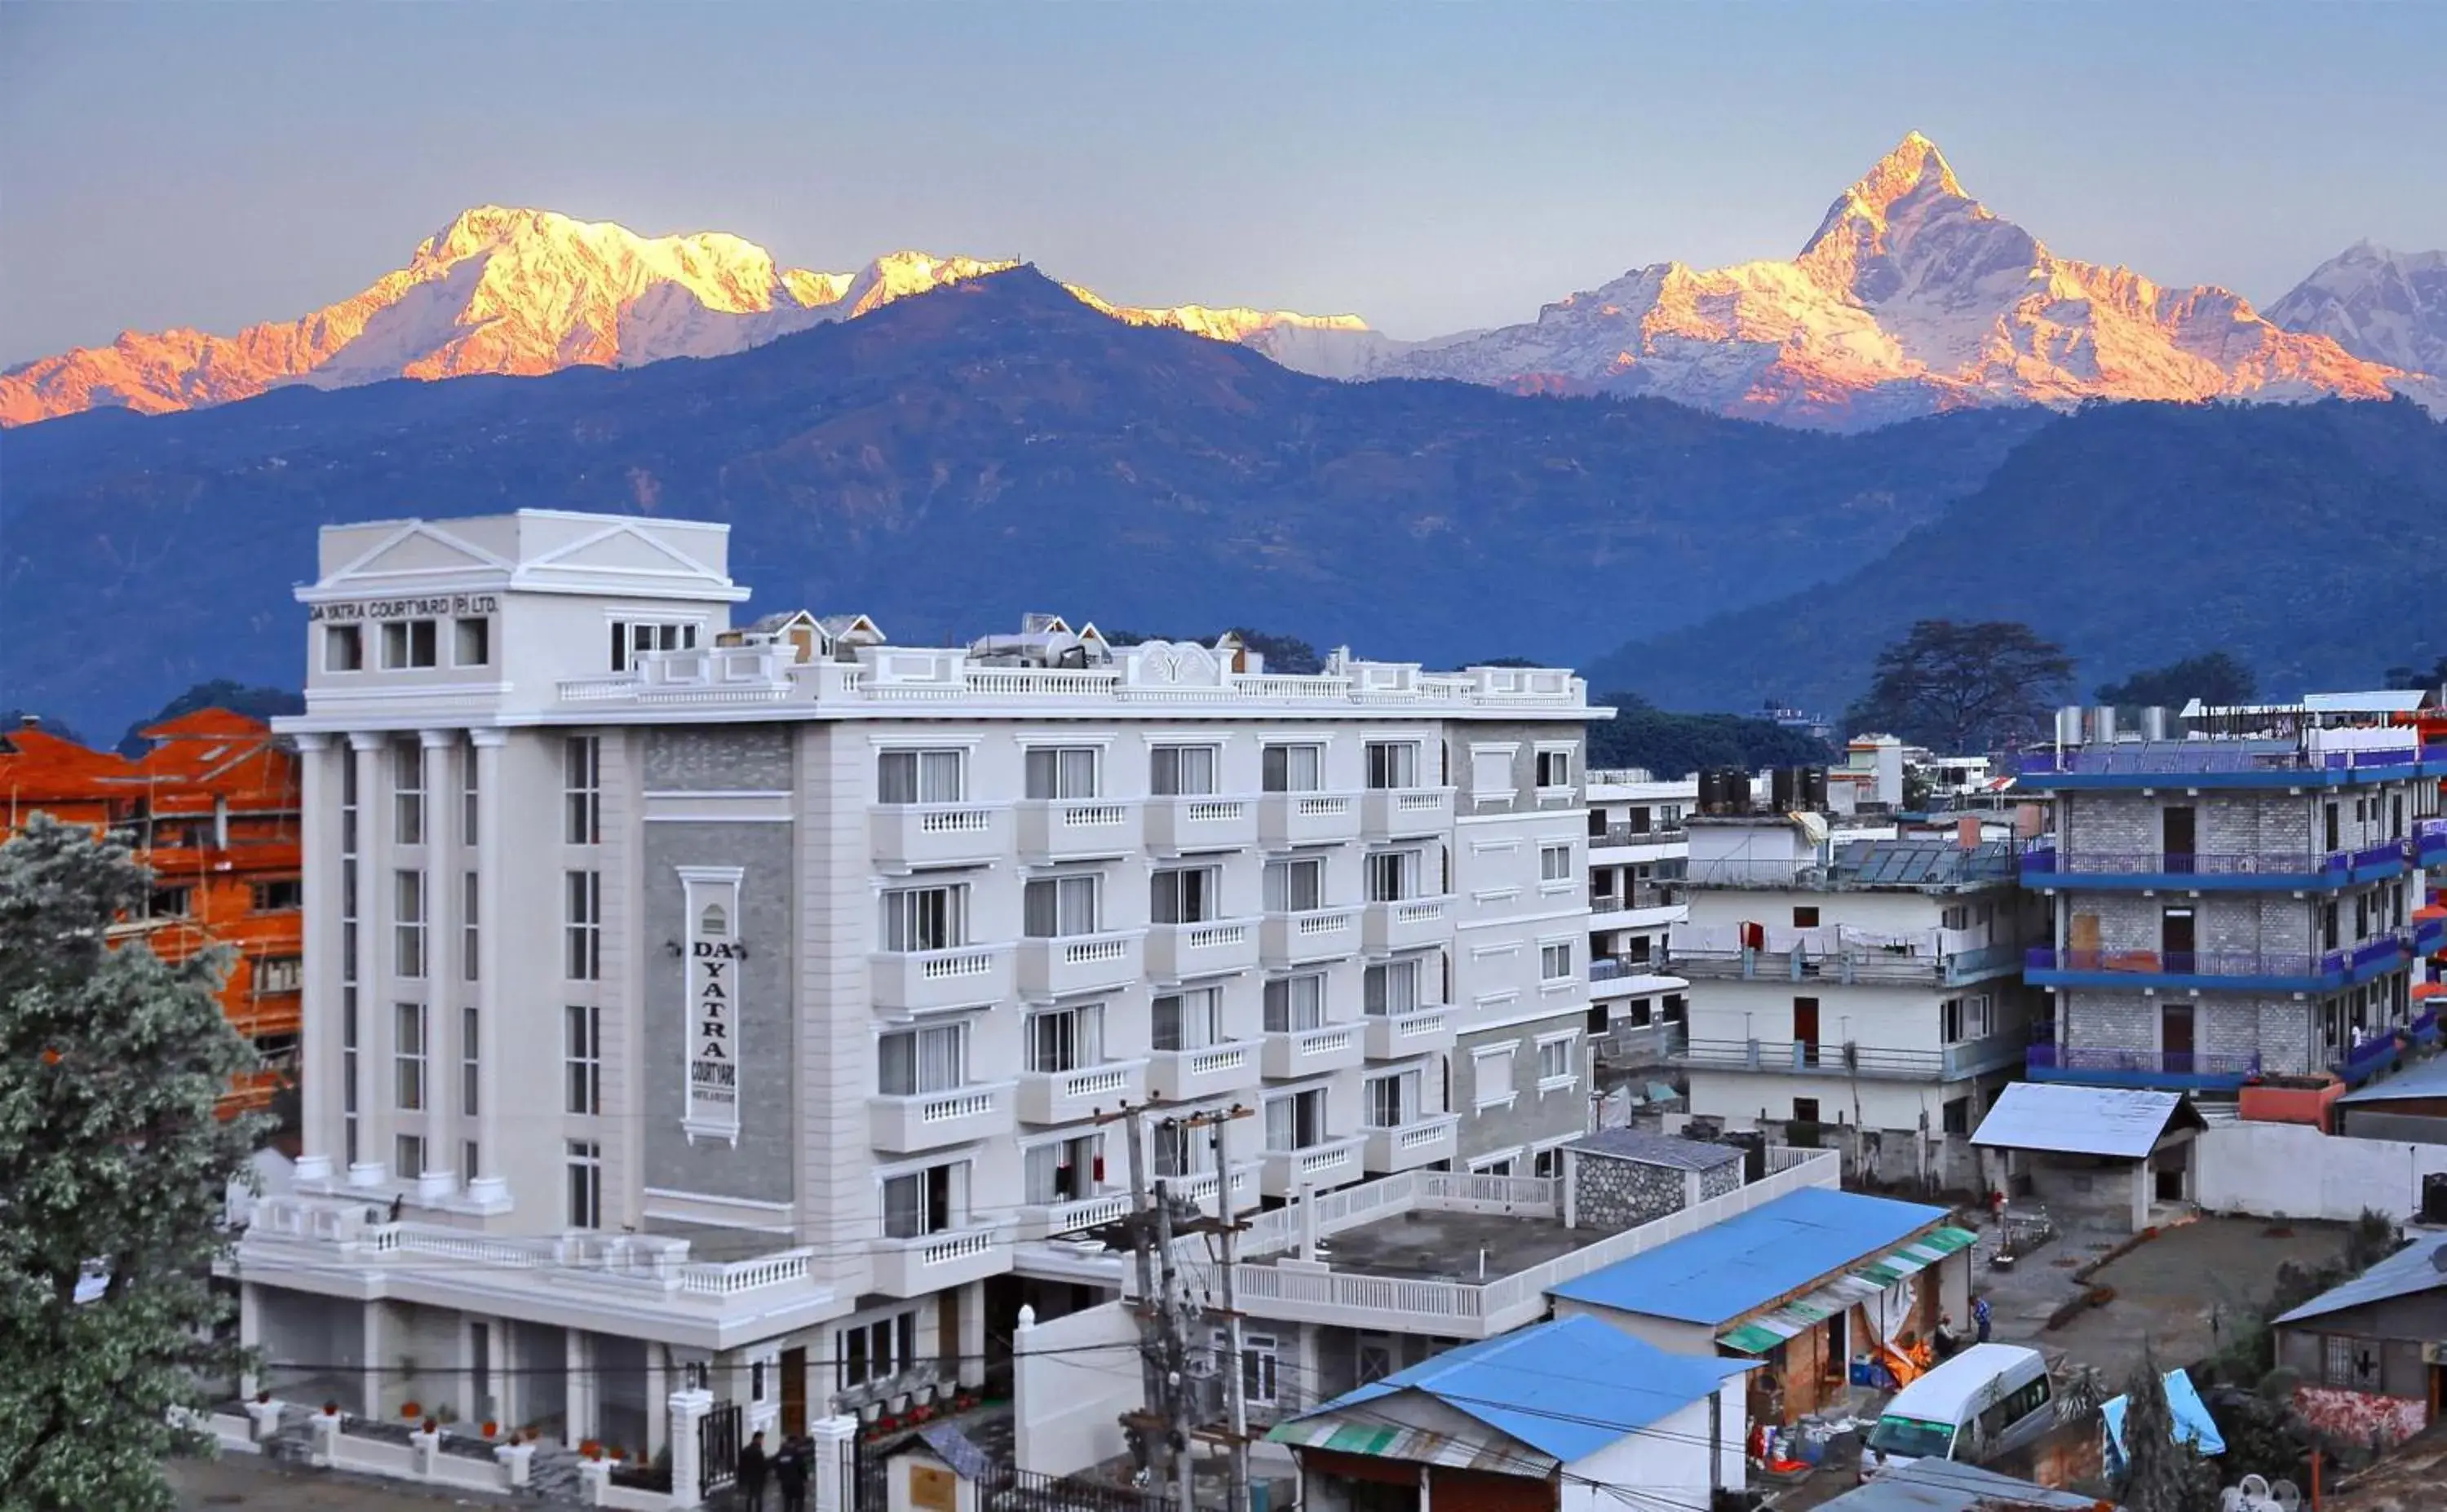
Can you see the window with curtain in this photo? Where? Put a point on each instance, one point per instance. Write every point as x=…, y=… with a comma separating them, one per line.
x=926, y=918
x=408, y=1055
x=1392, y=876
x=1063, y=1171
x=1186, y=895
x=582, y=1059
x=1392, y=987
x=1296, y=1121
x=1189, y=1020
x=583, y=790
x=1061, y=771
x=1293, y=769
x=583, y=928
x=1058, y=906
x=585, y=1184
x=1294, y=886
x=1554, y=863
x=407, y=792
x=1395, y=1100
x=1393, y=764
x=1295, y=1003
x=921, y=777
x=910, y=1063
x=1067, y=1039
x=1184, y=771
x=933, y=1200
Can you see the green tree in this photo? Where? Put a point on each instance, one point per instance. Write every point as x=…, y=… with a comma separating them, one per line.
x=2216, y=678
x=2419, y=679
x=114, y=1170
x=1957, y=687
x=2160, y=1475
x=221, y=692
x=1674, y=745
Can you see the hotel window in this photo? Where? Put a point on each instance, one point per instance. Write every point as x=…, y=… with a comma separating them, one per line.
x=583, y=1059
x=1187, y=895
x=1391, y=989
x=1392, y=876
x=913, y=1062
x=1059, y=772
x=1554, y=863
x=933, y=1200
x=632, y=637
x=1965, y=1018
x=1293, y=769
x=585, y=1184
x=1063, y=1171
x=469, y=1048
x=1190, y=1020
x=583, y=790
x=870, y=1351
x=1296, y=1003
x=1491, y=1075
x=348, y=1068
x=1059, y=906
x=585, y=927
x=468, y=792
x=344, y=649
x=277, y=898
x=1393, y=764
x=1547, y=1165
x=408, y=1152
x=407, y=792
x=1491, y=771
x=278, y=973
x=1554, y=768
x=408, y=1055
x=1554, y=962
x=1067, y=1039
x=1555, y=1067
x=1181, y=1149
x=926, y=918
x=169, y=903
x=1295, y=886
x=920, y=777
x=407, y=925
x=470, y=937
x=1183, y=771
x=1296, y=1122
x=1394, y=1101
x=472, y=642
x=409, y=643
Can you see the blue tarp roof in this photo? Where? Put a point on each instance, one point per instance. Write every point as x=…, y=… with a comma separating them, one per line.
x=1567, y=1388
x=1744, y=1263
x=2193, y=1423
x=2411, y=1270
x=2429, y=1079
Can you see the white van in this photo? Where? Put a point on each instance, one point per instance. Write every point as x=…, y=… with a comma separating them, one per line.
x=2003, y=1389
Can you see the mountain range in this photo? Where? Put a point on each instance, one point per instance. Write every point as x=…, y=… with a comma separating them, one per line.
x=1911, y=298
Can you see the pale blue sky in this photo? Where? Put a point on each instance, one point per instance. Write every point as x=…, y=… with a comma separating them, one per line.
x=1429, y=166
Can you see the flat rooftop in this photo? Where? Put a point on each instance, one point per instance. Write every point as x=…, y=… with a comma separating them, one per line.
x=1426, y=1244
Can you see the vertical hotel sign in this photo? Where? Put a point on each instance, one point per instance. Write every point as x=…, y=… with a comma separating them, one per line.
x=715, y=954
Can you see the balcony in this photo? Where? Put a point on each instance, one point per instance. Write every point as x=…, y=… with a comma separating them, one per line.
x=1644, y=905
x=908, y=836
x=1626, y=1046
x=1953, y=1063
x=2048, y=869
x=2430, y=842
x=1045, y=1221
x=1204, y=1187
x=1423, y=1141
x=1619, y=837
x=1176, y=952
x=1069, y=830
x=931, y=1120
x=1287, y=1173
x=2223, y=970
x=1622, y=976
x=1844, y=966
x=1398, y=1036
x=2320, y=759
x=1285, y=819
x=933, y=1262
x=1399, y=813
x=1067, y=965
x=1183, y=825
x=1405, y=924
x=923, y=981
x=1216, y=1070
x=1309, y=935
x=1066, y=1097
x=2167, y=1070
x=1297, y=1052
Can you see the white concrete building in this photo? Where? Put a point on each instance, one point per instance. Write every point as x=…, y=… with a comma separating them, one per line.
x=697, y=1005
x=1873, y=982
x=1638, y=847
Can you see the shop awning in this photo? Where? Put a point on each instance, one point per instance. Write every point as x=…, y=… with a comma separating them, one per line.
x=1765, y=1333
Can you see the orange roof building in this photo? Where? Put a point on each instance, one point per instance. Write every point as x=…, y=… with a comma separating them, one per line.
x=212, y=808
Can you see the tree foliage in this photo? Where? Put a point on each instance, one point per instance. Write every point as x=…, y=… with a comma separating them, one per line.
x=1674, y=745
x=2160, y=1475
x=221, y=692
x=2217, y=677
x=2419, y=679
x=114, y=1169
x=1959, y=686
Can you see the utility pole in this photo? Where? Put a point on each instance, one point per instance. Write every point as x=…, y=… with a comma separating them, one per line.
x=1176, y=1373
x=1150, y=1373
x=1235, y=1399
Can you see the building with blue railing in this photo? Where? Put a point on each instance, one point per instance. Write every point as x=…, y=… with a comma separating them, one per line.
x=2243, y=900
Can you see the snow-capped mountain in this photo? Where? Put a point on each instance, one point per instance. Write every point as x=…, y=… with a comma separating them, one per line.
x=2386, y=306
x=517, y=291
x=1910, y=297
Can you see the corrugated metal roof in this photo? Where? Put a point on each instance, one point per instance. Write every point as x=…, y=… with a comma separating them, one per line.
x=1657, y=1149
x=2429, y=1079
x=1567, y=1388
x=1761, y=1335
x=1745, y=1262
x=2069, y=1119
x=1347, y=1435
x=1947, y=1486
x=2407, y=1272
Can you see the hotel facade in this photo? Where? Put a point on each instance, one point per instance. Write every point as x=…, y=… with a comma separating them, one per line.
x=747, y=1007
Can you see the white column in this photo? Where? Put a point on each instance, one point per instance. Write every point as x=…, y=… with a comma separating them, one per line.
x=687, y=1409
x=491, y=884
x=318, y=1048
x=578, y=1400
x=444, y=980
x=658, y=1379
x=372, y=1341
x=374, y=993
x=250, y=1333
x=830, y=1470
x=972, y=1334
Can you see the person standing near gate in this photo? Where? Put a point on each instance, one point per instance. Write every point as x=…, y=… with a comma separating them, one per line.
x=790, y=1469
x=752, y=1465
x=1979, y=1317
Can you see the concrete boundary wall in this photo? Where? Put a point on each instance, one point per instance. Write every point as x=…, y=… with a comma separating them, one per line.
x=1071, y=1380
x=2290, y=1170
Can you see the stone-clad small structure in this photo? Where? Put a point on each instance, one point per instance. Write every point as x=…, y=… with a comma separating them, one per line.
x=1621, y=1178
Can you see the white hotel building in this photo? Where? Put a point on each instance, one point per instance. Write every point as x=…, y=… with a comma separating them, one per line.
x=691, y=1003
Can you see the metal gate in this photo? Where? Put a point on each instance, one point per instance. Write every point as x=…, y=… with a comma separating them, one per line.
x=717, y=1449
x=863, y=1489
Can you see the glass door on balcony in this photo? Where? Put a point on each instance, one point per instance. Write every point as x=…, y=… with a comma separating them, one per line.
x=926, y=918
x=1295, y=886
x=1059, y=906
x=919, y=777
x=2180, y=837
x=1189, y=894
x=1296, y=1122
x=1182, y=771
x=1062, y=772
x=911, y=1063
x=1296, y=1003
x=1393, y=764
x=1063, y=1171
x=2177, y=942
x=1067, y=1039
x=1293, y=769
x=1395, y=1100
x=933, y=1200
x=1391, y=989
x=2175, y=1037
x=1392, y=876
x=1190, y=1020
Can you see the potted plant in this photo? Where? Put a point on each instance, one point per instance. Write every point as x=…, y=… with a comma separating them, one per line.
x=331, y=1408
x=412, y=1410
x=491, y=1428
x=591, y=1450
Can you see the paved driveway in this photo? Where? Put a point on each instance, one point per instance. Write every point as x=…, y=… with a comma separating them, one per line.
x=252, y=1483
